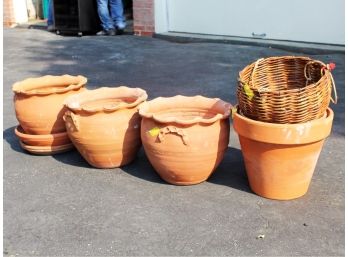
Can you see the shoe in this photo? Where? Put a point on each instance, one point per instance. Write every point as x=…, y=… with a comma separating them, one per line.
x=109, y=32
x=50, y=28
x=120, y=28
x=119, y=31
x=101, y=33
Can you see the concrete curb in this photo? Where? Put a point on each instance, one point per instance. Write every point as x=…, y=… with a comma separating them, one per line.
x=300, y=47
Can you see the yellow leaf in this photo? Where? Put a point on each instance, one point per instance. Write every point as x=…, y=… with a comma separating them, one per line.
x=248, y=91
x=233, y=111
x=154, y=131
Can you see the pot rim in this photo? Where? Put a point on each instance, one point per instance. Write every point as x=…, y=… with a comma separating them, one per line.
x=144, y=110
x=17, y=87
x=276, y=133
x=73, y=102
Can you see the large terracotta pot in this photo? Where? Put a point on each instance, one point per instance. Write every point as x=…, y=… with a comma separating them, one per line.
x=104, y=125
x=185, y=138
x=39, y=102
x=280, y=158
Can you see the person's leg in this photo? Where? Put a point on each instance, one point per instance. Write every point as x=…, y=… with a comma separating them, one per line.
x=50, y=18
x=104, y=15
x=116, y=9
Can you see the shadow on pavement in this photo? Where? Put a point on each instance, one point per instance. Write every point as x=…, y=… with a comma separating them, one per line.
x=72, y=158
x=10, y=137
x=142, y=169
x=231, y=171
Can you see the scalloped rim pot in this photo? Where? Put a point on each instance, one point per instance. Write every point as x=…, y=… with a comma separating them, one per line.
x=104, y=125
x=39, y=102
x=185, y=138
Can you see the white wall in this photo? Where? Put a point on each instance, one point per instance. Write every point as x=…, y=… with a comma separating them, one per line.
x=318, y=21
x=161, y=16
x=20, y=11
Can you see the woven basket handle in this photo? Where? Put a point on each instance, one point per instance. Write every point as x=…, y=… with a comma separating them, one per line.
x=325, y=67
x=262, y=89
x=251, y=78
x=334, y=100
x=329, y=69
x=309, y=78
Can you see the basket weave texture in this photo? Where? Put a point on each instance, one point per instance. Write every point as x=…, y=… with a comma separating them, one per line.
x=286, y=89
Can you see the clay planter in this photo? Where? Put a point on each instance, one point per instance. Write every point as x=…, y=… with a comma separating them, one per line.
x=185, y=138
x=280, y=158
x=104, y=125
x=39, y=102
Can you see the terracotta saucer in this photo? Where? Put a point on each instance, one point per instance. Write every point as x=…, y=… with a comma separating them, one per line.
x=57, y=139
x=47, y=150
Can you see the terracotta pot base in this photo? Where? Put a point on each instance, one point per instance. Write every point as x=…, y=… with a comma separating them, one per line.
x=56, y=139
x=183, y=183
x=46, y=150
x=108, y=164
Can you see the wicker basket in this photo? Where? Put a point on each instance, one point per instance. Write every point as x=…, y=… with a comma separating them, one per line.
x=285, y=89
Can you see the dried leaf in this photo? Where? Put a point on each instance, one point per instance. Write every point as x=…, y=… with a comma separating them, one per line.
x=233, y=111
x=154, y=131
x=248, y=91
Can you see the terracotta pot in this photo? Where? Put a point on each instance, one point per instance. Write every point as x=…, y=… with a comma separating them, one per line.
x=104, y=125
x=185, y=138
x=39, y=102
x=280, y=158
x=57, y=139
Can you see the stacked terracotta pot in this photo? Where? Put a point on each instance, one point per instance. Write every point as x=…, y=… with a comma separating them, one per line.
x=281, y=144
x=39, y=109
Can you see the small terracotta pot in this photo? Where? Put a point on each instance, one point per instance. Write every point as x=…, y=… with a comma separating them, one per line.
x=185, y=138
x=280, y=158
x=104, y=125
x=39, y=102
x=42, y=140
